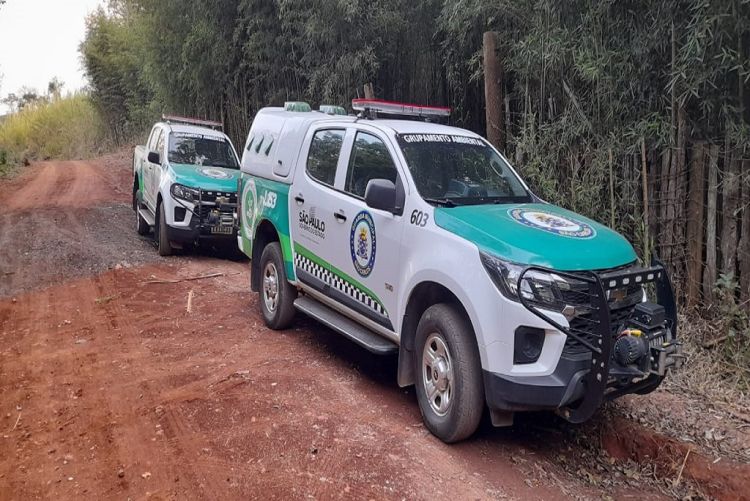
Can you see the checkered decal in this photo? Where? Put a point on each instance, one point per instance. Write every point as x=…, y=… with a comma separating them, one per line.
x=338, y=283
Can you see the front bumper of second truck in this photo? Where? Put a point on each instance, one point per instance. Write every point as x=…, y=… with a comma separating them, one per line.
x=617, y=341
x=198, y=214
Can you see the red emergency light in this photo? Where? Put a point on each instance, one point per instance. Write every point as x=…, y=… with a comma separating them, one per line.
x=393, y=108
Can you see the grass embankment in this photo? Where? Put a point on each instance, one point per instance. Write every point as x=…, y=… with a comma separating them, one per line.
x=67, y=128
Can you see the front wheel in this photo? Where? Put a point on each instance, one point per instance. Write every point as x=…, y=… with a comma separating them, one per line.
x=277, y=295
x=162, y=240
x=449, y=382
x=141, y=226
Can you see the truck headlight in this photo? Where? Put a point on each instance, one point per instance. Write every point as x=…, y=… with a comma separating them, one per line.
x=544, y=289
x=184, y=193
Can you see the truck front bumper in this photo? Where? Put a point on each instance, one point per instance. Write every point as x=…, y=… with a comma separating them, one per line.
x=583, y=379
x=210, y=217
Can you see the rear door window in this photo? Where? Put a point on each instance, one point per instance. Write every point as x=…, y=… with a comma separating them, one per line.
x=323, y=158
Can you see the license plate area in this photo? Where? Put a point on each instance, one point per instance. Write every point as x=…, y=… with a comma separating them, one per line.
x=222, y=230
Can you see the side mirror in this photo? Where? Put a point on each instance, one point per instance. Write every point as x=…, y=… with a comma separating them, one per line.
x=381, y=194
x=154, y=158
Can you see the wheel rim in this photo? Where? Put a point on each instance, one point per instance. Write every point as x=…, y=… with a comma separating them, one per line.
x=437, y=374
x=270, y=287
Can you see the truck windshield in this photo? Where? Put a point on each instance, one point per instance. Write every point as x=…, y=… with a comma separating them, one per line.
x=460, y=170
x=197, y=149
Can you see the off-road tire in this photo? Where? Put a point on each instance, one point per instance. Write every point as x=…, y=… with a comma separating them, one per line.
x=162, y=241
x=466, y=405
x=141, y=226
x=282, y=316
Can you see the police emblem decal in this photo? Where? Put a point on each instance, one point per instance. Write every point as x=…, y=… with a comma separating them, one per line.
x=363, y=244
x=552, y=223
x=214, y=173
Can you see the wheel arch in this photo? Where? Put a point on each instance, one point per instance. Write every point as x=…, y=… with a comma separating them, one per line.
x=423, y=295
x=265, y=233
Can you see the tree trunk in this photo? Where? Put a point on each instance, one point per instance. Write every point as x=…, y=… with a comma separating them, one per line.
x=709, y=276
x=665, y=202
x=744, y=246
x=695, y=226
x=729, y=208
x=611, y=191
x=678, y=200
x=493, y=98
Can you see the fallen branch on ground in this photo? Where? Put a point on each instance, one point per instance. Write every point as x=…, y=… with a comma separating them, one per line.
x=17, y=420
x=190, y=302
x=187, y=279
x=714, y=342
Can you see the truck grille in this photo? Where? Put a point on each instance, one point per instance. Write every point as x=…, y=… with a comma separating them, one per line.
x=209, y=197
x=621, y=304
x=209, y=202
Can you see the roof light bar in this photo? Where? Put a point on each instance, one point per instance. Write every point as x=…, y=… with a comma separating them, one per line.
x=394, y=108
x=192, y=121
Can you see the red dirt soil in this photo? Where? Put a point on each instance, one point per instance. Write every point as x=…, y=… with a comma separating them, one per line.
x=110, y=388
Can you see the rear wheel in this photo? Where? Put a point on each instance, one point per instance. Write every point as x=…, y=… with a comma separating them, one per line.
x=449, y=379
x=277, y=295
x=162, y=241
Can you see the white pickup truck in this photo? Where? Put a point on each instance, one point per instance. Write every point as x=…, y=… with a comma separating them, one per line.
x=185, y=184
x=420, y=239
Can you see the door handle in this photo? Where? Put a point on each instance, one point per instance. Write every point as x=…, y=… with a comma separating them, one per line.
x=340, y=216
x=299, y=199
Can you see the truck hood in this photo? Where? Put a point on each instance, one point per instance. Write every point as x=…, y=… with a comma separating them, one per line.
x=206, y=177
x=538, y=234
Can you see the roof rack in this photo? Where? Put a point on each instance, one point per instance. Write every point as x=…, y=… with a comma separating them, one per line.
x=371, y=108
x=176, y=119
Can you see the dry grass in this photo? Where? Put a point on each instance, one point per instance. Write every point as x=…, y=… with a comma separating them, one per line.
x=709, y=372
x=68, y=128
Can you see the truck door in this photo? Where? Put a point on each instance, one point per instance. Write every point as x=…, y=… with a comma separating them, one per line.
x=354, y=258
x=154, y=171
x=368, y=241
x=312, y=200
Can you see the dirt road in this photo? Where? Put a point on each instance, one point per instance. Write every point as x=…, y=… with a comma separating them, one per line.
x=118, y=379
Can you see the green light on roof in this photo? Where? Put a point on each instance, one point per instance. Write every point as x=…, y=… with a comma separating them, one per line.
x=329, y=109
x=298, y=106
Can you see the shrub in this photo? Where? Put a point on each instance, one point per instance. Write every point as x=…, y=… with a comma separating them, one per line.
x=67, y=128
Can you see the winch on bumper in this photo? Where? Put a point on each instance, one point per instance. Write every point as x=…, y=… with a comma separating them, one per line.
x=212, y=216
x=613, y=347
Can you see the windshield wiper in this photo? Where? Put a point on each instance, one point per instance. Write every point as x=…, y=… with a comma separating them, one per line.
x=445, y=202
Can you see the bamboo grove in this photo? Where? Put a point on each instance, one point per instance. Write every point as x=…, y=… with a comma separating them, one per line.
x=632, y=112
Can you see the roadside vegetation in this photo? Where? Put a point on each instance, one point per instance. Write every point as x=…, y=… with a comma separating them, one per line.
x=633, y=113
x=65, y=128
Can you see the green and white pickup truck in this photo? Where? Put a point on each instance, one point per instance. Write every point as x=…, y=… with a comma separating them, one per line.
x=420, y=239
x=185, y=184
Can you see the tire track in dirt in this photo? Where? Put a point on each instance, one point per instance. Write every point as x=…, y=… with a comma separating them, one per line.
x=67, y=219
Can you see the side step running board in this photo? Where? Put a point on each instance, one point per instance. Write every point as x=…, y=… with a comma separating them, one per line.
x=147, y=216
x=345, y=326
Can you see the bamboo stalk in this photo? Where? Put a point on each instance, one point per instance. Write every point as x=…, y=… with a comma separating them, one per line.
x=646, y=218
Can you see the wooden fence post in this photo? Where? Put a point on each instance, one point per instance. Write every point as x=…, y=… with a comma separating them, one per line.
x=709, y=276
x=369, y=91
x=646, y=210
x=730, y=190
x=744, y=247
x=493, y=92
x=695, y=225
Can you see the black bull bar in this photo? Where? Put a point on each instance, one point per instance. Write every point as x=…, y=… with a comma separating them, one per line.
x=599, y=337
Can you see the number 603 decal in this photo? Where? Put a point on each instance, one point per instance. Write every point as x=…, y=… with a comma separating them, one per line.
x=419, y=218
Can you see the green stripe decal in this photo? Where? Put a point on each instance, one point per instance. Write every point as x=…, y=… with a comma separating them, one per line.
x=343, y=276
x=286, y=252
